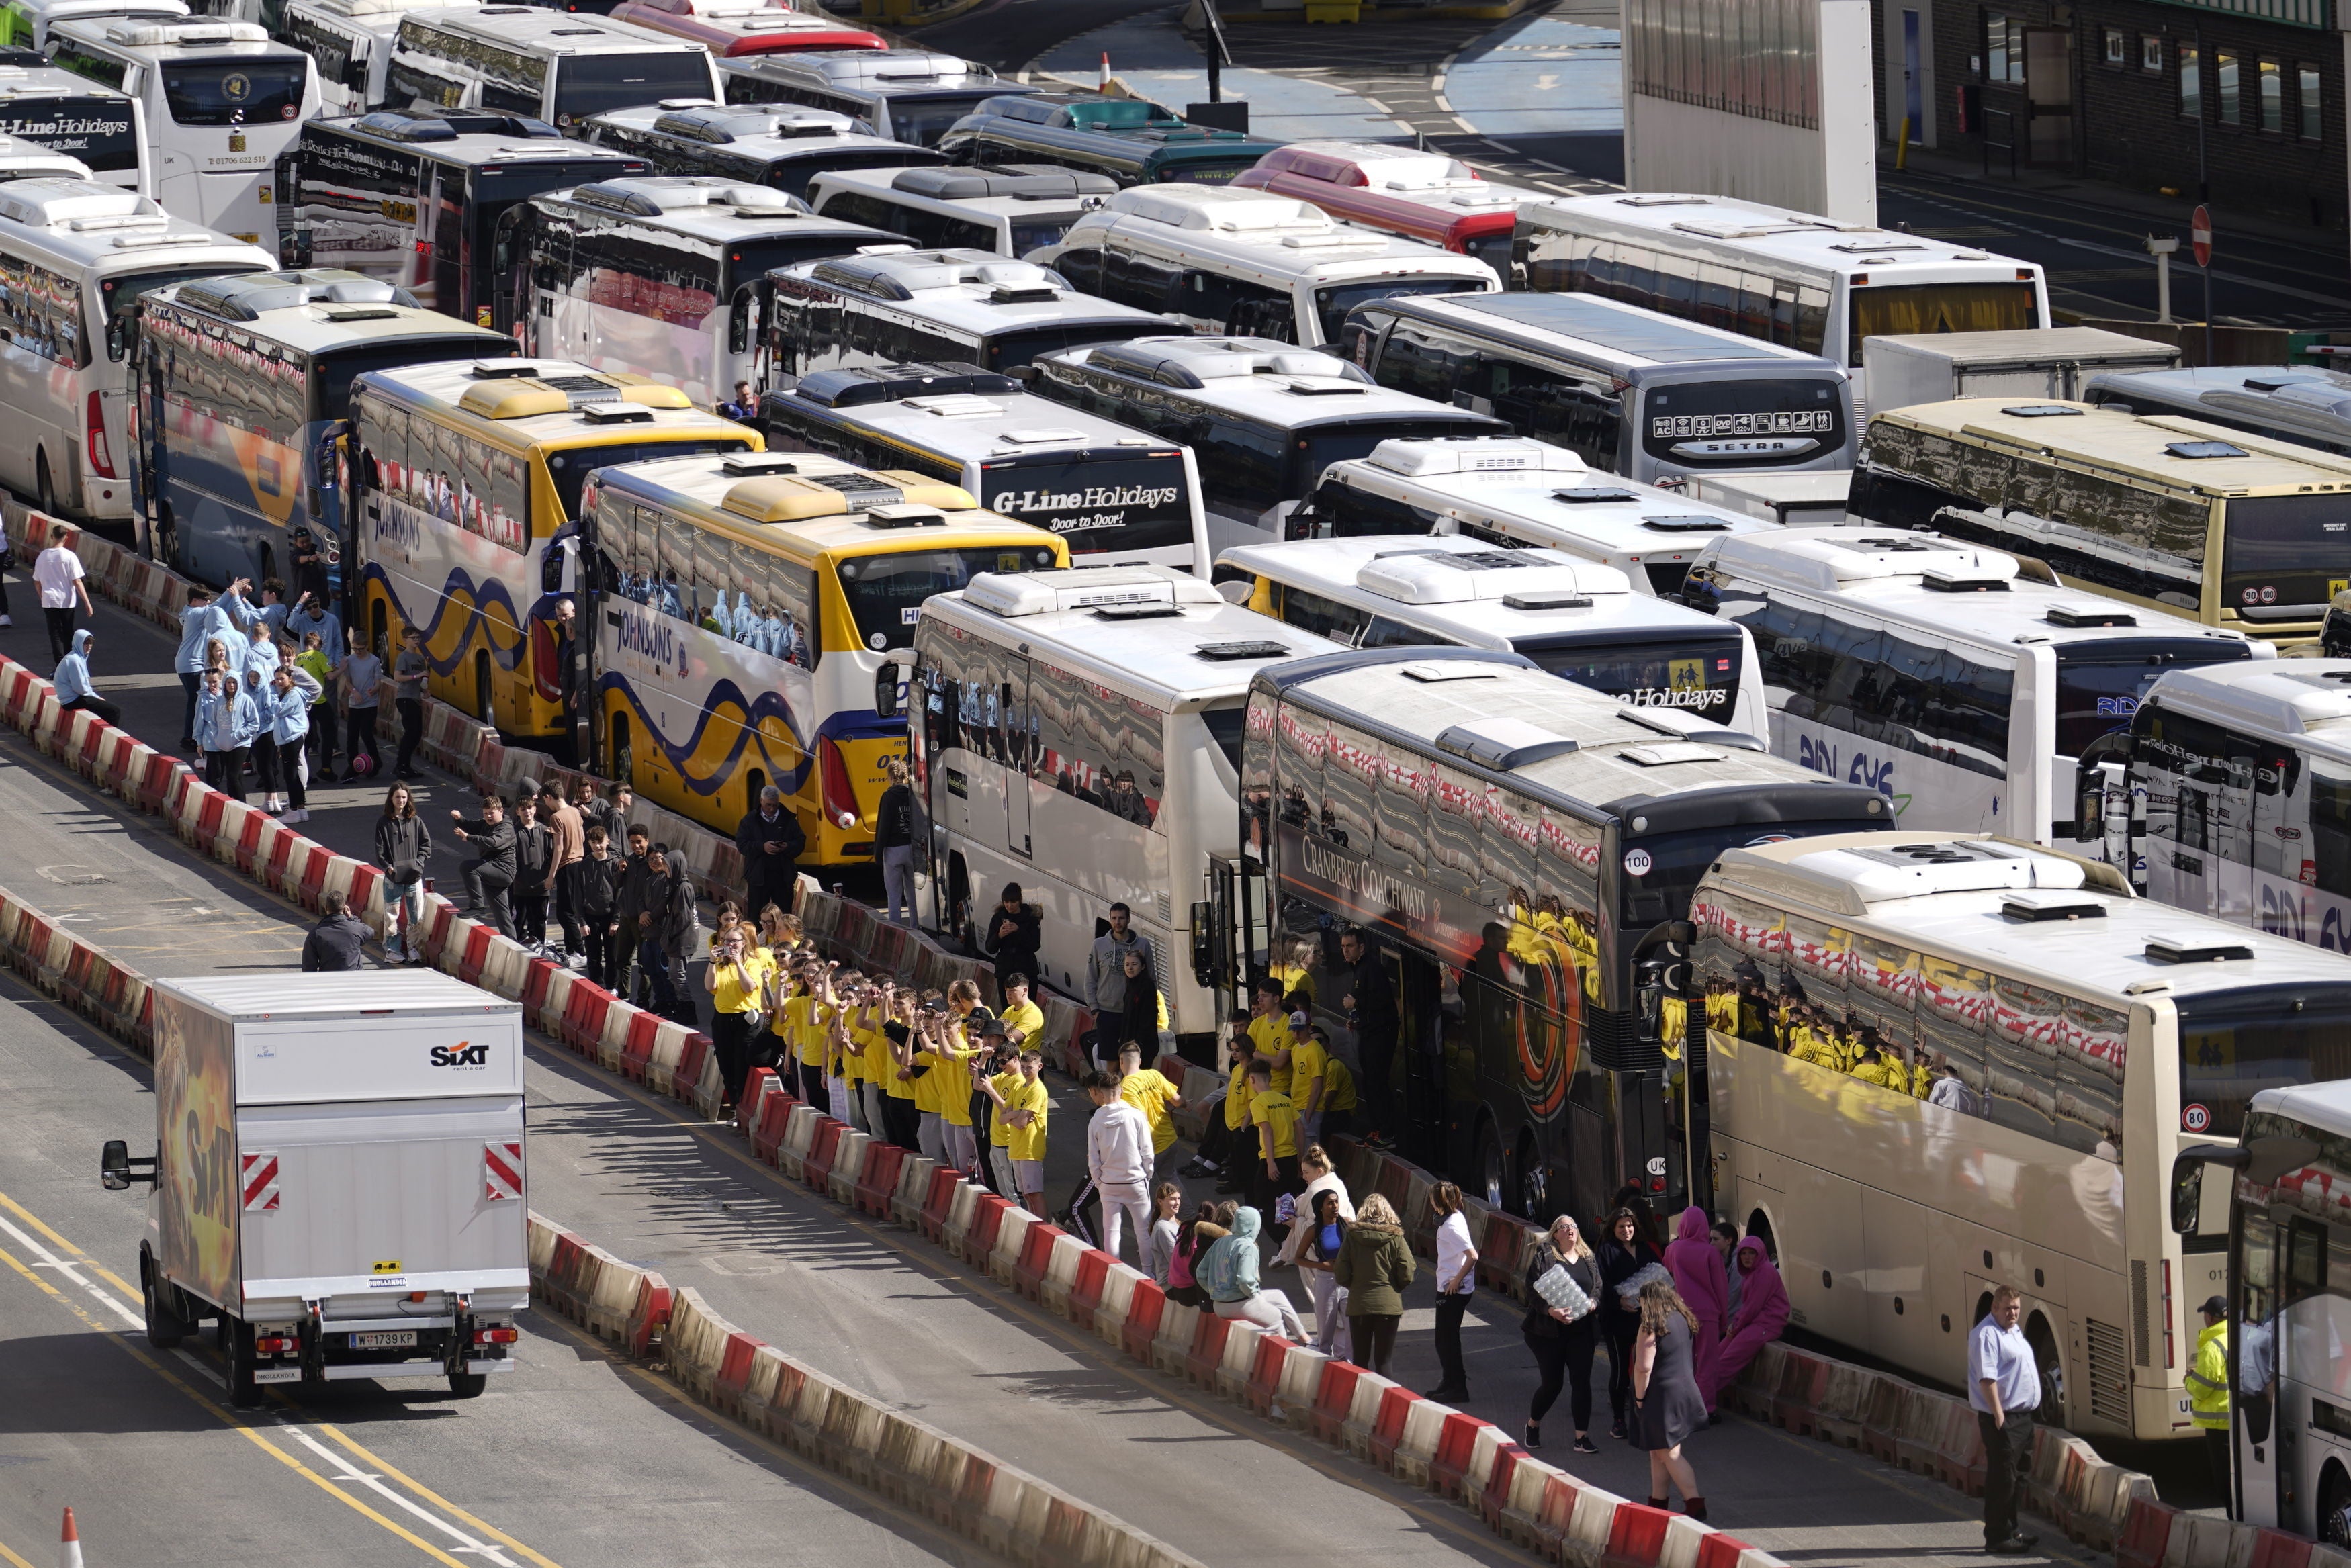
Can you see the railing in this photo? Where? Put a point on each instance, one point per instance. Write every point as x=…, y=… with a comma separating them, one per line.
x=2007, y=119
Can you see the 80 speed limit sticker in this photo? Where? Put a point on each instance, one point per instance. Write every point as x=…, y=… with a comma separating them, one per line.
x=2194, y=1119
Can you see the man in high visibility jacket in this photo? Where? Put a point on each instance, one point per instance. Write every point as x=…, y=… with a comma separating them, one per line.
x=2208, y=1388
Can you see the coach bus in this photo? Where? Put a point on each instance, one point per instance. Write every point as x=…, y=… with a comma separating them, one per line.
x=742, y=608
x=75, y=256
x=1940, y=1063
x=731, y=29
x=1133, y=142
x=908, y=95
x=1938, y=673
x=1079, y=733
x=662, y=275
x=782, y=147
x=1400, y=190
x=559, y=67
x=2285, y=1188
x=1526, y=849
x=415, y=198
x=243, y=381
x=1579, y=619
x=2304, y=404
x=219, y=101
x=469, y=475
x=1806, y=283
x=2229, y=529
x=98, y=127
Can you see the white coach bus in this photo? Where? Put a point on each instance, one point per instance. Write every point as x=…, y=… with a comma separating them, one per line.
x=1803, y=282
x=1940, y=674
x=75, y=256
x=1936, y=1065
x=1579, y=619
x=1079, y=732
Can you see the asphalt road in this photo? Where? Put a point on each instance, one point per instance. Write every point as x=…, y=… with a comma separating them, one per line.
x=871, y=1304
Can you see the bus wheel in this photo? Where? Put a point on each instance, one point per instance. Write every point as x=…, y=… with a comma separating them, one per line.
x=2037, y=1334
x=164, y=1328
x=1493, y=1181
x=2334, y=1520
x=44, y=486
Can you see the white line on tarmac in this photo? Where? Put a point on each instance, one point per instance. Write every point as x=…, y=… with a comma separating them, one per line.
x=344, y=1471
x=49, y=1260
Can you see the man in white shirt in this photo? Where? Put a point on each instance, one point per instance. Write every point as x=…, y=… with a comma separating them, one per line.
x=58, y=573
x=1118, y=1160
x=2004, y=1387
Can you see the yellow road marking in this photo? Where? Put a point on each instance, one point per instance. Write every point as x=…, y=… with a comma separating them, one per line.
x=244, y=1426
x=11, y=1558
x=429, y=1495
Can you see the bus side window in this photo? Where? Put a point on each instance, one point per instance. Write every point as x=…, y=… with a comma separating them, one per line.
x=2305, y=1260
x=1299, y=742
x=2329, y=787
x=1416, y=360
x=1081, y=262
x=1322, y=616
x=1350, y=773
x=1249, y=458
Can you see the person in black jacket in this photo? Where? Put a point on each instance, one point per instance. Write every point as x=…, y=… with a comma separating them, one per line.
x=1623, y=1253
x=1013, y=935
x=1371, y=1003
x=1562, y=1346
x=492, y=870
x=591, y=887
x=893, y=840
x=534, y=866
x=338, y=941
x=402, y=843
x=770, y=840
x=667, y=926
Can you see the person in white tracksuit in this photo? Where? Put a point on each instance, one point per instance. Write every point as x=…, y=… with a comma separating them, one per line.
x=1118, y=1159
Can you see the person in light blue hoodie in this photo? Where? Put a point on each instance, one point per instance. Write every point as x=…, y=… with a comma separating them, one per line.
x=277, y=749
x=200, y=624
x=227, y=720
x=72, y=681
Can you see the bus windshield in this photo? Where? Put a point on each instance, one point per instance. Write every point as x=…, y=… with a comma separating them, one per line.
x=570, y=468
x=2099, y=684
x=99, y=131
x=1940, y=308
x=1118, y=502
x=2285, y=550
x=1697, y=671
x=1205, y=171
x=2235, y=1044
x=120, y=292
x=1676, y=860
x=234, y=92
x=589, y=85
x=886, y=593
x=1010, y=350
x=922, y=118
x=1333, y=303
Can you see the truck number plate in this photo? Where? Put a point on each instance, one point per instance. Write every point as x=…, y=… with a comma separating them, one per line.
x=388, y=1339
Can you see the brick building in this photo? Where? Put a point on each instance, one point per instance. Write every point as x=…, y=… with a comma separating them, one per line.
x=2114, y=89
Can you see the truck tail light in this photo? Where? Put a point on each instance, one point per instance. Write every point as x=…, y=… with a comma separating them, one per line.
x=101, y=457
x=832, y=776
x=2169, y=1358
x=275, y=1343
x=495, y=1335
x=544, y=677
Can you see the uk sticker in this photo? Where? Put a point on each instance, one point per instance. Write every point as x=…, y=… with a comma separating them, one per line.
x=2194, y=1119
x=1637, y=863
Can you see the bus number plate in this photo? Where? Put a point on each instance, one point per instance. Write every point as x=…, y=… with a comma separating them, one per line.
x=385, y=1339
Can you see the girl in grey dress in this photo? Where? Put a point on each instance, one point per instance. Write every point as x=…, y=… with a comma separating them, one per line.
x=1665, y=1386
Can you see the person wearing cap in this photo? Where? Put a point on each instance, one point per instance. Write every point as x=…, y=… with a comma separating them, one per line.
x=2208, y=1388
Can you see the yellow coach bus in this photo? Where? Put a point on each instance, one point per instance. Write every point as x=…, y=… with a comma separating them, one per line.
x=470, y=475
x=741, y=608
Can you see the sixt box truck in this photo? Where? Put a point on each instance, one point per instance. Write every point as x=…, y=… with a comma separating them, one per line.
x=338, y=1176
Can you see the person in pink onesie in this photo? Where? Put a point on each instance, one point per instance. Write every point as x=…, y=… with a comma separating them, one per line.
x=1705, y=1288
x=1763, y=1311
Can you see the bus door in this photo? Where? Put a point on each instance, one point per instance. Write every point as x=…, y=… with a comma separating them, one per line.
x=1231, y=929
x=1423, y=991
x=2264, y=1476
x=451, y=251
x=1009, y=727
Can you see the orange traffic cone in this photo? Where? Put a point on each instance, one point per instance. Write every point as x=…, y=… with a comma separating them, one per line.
x=1104, y=79
x=69, y=1545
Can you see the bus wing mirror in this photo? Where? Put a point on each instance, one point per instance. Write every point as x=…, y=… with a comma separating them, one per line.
x=2187, y=1178
x=886, y=691
x=1650, y=1000
x=2267, y=1158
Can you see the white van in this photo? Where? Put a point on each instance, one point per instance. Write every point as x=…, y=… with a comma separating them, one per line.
x=75, y=256
x=221, y=101
x=560, y=66
x=1250, y=262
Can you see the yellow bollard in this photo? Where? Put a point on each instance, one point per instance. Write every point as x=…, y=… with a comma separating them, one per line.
x=1902, y=148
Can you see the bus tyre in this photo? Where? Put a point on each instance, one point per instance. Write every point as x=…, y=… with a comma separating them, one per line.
x=2334, y=1520
x=242, y=1391
x=468, y=1384
x=2052, y=1371
x=165, y=1328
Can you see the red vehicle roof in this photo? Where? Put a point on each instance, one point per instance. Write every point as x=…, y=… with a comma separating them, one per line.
x=731, y=32
x=1340, y=185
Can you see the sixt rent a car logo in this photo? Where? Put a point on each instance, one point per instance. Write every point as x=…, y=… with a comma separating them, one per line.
x=465, y=1054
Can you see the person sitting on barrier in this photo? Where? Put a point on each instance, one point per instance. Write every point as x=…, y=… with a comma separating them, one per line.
x=75, y=693
x=1193, y=1237
x=1229, y=1271
x=1760, y=1317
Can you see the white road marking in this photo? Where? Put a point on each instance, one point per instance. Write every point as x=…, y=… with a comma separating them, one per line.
x=49, y=1260
x=343, y=1470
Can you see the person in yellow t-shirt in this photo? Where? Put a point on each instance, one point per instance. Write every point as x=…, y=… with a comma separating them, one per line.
x=998, y=1087
x=1153, y=1092
x=1025, y=1109
x=1269, y=1029
x=736, y=981
x=920, y=1065
x=1310, y=1076
x=799, y=1033
x=878, y=1062
x=1338, y=1098
x=1274, y=1170
x=1024, y=1020
x=1293, y=967
x=954, y=1057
